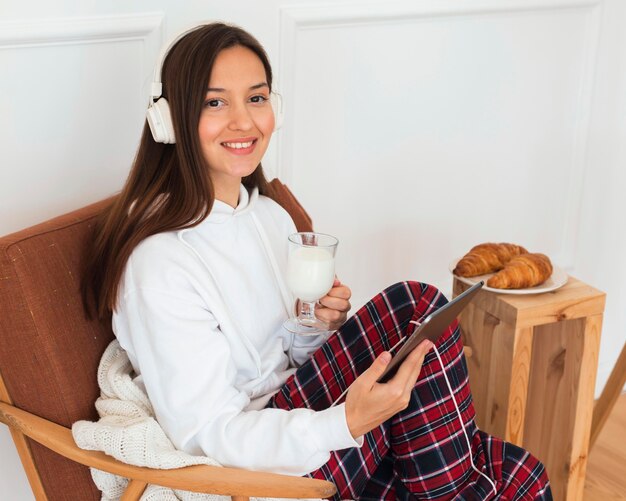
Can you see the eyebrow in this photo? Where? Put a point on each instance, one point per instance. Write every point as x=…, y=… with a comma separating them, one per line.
x=254, y=87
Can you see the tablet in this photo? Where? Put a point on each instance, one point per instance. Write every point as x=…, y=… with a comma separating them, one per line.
x=432, y=327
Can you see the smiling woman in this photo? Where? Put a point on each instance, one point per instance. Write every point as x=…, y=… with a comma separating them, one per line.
x=190, y=260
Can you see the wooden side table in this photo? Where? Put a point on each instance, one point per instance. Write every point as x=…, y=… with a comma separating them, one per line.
x=533, y=371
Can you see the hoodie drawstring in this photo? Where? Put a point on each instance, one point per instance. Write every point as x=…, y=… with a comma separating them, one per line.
x=287, y=299
x=251, y=349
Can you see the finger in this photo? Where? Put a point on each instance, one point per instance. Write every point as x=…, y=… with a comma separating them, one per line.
x=342, y=291
x=417, y=369
x=335, y=303
x=413, y=361
x=328, y=315
x=333, y=318
x=421, y=350
x=336, y=282
x=374, y=371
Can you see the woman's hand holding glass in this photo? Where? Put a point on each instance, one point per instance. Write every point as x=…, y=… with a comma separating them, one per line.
x=333, y=308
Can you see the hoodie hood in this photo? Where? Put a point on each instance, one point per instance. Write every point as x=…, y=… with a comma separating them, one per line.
x=222, y=212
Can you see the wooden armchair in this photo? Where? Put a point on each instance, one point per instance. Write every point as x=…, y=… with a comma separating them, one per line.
x=49, y=354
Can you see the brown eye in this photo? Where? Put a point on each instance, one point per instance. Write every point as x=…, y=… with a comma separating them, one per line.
x=213, y=103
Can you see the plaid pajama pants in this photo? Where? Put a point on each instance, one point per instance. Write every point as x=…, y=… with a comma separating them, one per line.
x=421, y=452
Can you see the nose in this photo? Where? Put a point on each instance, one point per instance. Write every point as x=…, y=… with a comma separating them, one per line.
x=240, y=118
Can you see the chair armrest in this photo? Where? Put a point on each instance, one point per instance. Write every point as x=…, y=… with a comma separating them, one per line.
x=201, y=478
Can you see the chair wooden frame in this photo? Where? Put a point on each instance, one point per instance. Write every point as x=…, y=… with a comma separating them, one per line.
x=238, y=483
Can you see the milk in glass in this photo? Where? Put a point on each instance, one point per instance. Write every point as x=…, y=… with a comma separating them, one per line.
x=310, y=272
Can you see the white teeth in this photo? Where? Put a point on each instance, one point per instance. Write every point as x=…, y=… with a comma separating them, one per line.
x=238, y=145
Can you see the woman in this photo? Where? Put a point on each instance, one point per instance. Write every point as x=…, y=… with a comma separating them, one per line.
x=188, y=259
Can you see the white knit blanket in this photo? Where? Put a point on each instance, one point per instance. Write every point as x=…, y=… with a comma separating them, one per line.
x=128, y=431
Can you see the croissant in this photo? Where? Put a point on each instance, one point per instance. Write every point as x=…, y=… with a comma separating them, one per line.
x=527, y=270
x=487, y=258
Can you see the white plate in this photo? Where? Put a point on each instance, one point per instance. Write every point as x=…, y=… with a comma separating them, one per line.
x=556, y=280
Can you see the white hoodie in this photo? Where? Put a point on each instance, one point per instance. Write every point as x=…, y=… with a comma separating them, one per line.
x=200, y=314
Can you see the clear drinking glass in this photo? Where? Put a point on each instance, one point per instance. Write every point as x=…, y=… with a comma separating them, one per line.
x=310, y=275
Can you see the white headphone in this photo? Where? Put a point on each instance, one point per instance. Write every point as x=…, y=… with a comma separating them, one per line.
x=158, y=114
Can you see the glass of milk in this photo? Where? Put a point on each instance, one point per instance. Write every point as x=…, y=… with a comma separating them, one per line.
x=310, y=275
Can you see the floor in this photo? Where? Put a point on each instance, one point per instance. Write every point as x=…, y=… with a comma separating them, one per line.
x=606, y=469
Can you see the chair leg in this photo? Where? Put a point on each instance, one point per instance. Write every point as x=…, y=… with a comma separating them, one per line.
x=610, y=394
x=134, y=490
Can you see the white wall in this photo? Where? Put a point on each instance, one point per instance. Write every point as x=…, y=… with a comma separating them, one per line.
x=600, y=257
x=414, y=129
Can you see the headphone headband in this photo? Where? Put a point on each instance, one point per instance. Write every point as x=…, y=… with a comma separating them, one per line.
x=156, y=90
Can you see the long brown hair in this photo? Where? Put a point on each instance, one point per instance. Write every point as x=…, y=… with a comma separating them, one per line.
x=168, y=187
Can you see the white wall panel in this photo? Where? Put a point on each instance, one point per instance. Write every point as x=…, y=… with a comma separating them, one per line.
x=73, y=90
x=450, y=128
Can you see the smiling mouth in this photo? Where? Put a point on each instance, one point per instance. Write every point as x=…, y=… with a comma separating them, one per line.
x=239, y=146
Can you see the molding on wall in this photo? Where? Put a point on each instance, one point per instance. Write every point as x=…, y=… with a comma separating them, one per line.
x=333, y=15
x=66, y=31
x=145, y=29
x=294, y=19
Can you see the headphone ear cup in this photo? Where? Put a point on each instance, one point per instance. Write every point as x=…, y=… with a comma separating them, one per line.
x=276, y=101
x=160, y=122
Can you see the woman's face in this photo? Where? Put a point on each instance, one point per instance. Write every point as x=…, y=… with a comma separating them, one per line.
x=237, y=120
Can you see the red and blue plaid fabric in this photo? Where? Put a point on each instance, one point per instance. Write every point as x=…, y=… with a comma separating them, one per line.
x=420, y=453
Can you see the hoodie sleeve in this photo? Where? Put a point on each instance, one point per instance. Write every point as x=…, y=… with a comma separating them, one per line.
x=302, y=347
x=190, y=378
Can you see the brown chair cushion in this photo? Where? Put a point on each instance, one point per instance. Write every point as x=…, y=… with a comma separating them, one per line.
x=49, y=351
